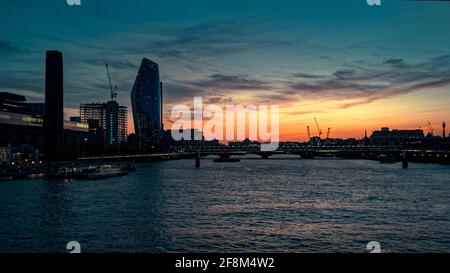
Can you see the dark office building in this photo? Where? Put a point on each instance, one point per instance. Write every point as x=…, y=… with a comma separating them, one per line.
x=386, y=137
x=110, y=117
x=37, y=109
x=13, y=103
x=146, y=100
x=54, y=110
x=162, y=107
x=75, y=119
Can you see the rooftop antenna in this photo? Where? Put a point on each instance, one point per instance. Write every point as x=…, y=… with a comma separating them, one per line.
x=444, y=125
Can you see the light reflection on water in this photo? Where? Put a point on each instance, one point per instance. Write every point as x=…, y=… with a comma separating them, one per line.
x=288, y=205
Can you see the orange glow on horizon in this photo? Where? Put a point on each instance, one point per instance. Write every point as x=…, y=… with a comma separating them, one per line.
x=411, y=111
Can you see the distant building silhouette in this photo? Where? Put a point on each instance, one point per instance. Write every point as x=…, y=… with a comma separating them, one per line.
x=24, y=124
x=146, y=101
x=20, y=125
x=75, y=119
x=110, y=117
x=54, y=104
x=395, y=137
x=14, y=103
x=37, y=109
x=444, y=125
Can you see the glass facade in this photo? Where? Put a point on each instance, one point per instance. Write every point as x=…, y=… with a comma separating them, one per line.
x=146, y=100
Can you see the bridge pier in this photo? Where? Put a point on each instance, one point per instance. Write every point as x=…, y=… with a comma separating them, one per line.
x=265, y=155
x=307, y=155
x=197, y=160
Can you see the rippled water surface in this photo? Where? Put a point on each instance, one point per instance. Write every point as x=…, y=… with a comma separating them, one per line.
x=275, y=205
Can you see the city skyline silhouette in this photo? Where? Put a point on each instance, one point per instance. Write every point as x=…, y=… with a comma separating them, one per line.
x=338, y=62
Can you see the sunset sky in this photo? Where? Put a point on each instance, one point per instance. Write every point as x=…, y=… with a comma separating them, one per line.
x=355, y=67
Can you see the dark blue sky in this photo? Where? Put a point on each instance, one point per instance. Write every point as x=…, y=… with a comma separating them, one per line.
x=341, y=51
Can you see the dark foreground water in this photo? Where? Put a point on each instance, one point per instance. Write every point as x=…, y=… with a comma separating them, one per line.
x=282, y=205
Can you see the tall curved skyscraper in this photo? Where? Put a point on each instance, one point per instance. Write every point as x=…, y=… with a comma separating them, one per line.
x=146, y=100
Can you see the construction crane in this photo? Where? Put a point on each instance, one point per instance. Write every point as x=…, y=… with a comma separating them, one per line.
x=113, y=91
x=328, y=133
x=430, y=128
x=318, y=128
x=309, y=133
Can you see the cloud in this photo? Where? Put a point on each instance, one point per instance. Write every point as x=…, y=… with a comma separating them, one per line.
x=397, y=63
x=191, y=59
x=114, y=63
x=230, y=82
x=300, y=113
x=201, y=47
x=307, y=76
x=369, y=83
x=218, y=100
x=7, y=48
x=194, y=62
x=178, y=92
x=217, y=89
x=24, y=81
x=184, y=52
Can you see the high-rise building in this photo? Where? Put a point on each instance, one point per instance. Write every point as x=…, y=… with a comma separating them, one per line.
x=110, y=117
x=54, y=104
x=162, y=107
x=146, y=101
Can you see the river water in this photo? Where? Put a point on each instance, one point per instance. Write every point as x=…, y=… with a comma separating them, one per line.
x=283, y=204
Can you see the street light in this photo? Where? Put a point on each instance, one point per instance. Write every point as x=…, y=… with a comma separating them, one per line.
x=84, y=145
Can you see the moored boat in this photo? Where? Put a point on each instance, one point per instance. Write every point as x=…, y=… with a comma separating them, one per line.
x=93, y=172
x=384, y=159
x=101, y=172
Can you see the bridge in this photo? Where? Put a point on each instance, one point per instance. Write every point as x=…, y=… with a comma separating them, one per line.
x=346, y=152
